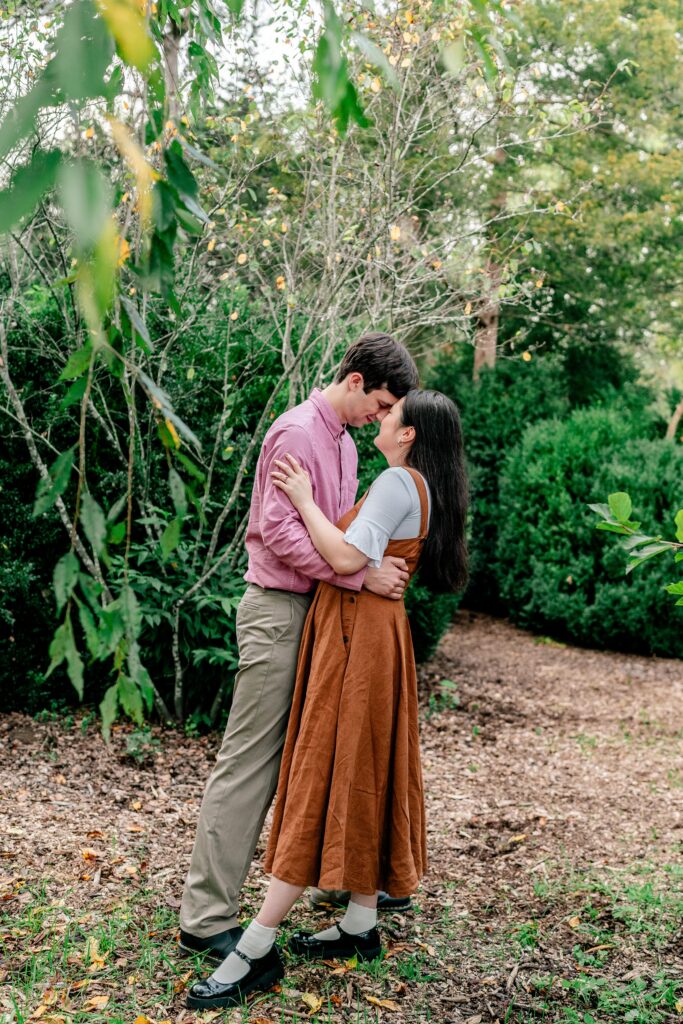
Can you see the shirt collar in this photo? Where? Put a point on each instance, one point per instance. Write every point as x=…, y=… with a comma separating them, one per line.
x=327, y=414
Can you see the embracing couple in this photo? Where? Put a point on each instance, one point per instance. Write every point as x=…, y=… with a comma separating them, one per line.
x=325, y=702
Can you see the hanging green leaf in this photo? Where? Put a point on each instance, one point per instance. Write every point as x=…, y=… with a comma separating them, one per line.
x=50, y=489
x=170, y=538
x=136, y=321
x=27, y=186
x=64, y=578
x=130, y=699
x=94, y=523
x=77, y=363
x=178, y=493
x=108, y=709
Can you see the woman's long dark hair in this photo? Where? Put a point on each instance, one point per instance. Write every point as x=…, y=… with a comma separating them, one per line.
x=437, y=453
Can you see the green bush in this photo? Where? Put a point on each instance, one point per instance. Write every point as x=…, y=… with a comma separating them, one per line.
x=494, y=413
x=557, y=573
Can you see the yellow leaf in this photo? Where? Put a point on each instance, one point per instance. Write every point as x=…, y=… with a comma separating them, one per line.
x=376, y=85
x=266, y=242
x=394, y=232
x=211, y=246
x=522, y=835
x=678, y=1007
x=142, y=1020
x=386, y=1004
x=526, y=356
x=280, y=283
x=437, y=264
x=574, y=922
x=92, y=954
x=559, y=206
x=89, y=854
x=242, y=258
x=124, y=250
x=129, y=868
x=539, y=282
x=136, y=805
x=234, y=315
x=144, y=173
x=410, y=17
x=89, y=132
x=468, y=309
x=312, y=1002
x=128, y=26
x=96, y=1003
x=284, y=228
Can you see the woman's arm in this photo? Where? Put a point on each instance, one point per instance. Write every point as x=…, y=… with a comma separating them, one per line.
x=344, y=558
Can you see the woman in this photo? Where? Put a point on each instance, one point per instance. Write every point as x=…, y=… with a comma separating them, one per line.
x=350, y=812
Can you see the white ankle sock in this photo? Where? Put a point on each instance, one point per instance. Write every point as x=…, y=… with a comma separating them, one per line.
x=357, y=919
x=256, y=942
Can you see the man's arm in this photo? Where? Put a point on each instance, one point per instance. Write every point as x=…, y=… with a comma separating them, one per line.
x=282, y=528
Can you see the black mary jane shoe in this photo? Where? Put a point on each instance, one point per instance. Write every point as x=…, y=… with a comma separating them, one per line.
x=365, y=946
x=214, y=947
x=263, y=973
x=393, y=903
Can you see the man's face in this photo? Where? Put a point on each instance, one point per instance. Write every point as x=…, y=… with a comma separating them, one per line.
x=365, y=408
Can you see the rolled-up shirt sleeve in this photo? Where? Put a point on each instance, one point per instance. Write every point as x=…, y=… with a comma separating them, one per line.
x=388, y=503
x=282, y=528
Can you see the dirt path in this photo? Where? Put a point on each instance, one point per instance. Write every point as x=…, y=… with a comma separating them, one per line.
x=554, y=784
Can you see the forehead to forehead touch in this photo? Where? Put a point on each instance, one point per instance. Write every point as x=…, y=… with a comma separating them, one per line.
x=383, y=396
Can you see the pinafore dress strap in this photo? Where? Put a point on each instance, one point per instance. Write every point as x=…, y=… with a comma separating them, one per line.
x=424, y=501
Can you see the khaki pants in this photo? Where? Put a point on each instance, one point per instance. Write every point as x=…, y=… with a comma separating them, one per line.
x=243, y=782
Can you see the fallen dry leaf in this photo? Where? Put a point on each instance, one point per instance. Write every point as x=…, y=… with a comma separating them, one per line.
x=88, y=854
x=474, y=1020
x=96, y=1003
x=386, y=1004
x=312, y=1001
x=574, y=922
x=142, y=1020
x=181, y=983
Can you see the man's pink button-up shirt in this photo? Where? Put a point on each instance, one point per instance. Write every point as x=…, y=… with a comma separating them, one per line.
x=281, y=554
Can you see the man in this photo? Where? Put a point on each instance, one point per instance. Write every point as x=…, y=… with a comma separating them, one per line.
x=283, y=568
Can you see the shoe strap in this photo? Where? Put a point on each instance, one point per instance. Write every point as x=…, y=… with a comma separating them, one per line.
x=243, y=956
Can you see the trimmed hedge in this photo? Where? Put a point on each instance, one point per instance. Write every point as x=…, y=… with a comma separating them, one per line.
x=556, y=572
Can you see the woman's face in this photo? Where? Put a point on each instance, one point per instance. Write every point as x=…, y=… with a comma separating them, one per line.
x=392, y=430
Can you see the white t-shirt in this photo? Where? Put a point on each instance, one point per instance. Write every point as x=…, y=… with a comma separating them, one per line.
x=391, y=511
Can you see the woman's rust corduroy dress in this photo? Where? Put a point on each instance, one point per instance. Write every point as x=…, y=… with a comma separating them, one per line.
x=350, y=810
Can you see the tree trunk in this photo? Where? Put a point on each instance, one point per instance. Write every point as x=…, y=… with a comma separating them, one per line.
x=674, y=421
x=172, y=41
x=486, y=336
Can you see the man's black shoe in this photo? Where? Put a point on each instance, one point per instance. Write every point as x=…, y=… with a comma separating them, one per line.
x=214, y=947
x=263, y=973
x=365, y=946
x=390, y=903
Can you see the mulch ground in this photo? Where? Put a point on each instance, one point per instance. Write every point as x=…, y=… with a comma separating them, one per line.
x=545, y=767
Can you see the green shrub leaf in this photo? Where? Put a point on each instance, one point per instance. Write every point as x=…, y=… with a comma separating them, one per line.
x=620, y=506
